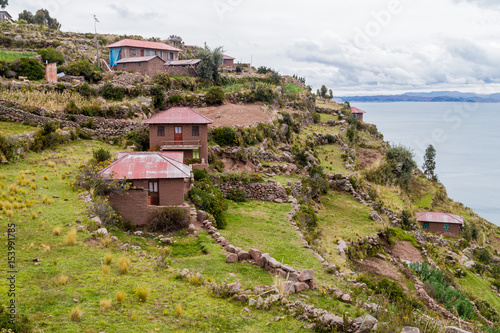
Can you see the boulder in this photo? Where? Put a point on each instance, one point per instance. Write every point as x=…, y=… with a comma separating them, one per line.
x=259, y=302
x=191, y=228
x=166, y=240
x=342, y=247
x=300, y=286
x=97, y=220
x=287, y=268
x=264, y=259
x=202, y=216
x=469, y=264
x=102, y=231
x=244, y=255
x=306, y=274
x=235, y=286
x=232, y=257
x=408, y=329
x=241, y=298
x=273, y=263
x=346, y=298
x=452, y=329
x=375, y=217
x=252, y=301
x=364, y=323
x=230, y=248
x=290, y=287
x=255, y=254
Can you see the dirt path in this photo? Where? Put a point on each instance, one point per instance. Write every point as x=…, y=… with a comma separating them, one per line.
x=382, y=268
x=235, y=114
x=407, y=252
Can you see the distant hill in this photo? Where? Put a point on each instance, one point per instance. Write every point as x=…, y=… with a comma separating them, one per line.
x=435, y=96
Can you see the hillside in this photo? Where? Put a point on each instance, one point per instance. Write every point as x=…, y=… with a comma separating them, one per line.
x=304, y=221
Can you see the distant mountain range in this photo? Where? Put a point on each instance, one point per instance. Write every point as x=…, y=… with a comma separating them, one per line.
x=435, y=96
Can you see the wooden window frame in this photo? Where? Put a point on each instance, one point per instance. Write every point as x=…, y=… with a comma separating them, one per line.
x=160, y=131
x=195, y=131
x=426, y=225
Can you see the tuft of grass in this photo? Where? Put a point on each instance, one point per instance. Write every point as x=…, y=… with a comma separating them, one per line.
x=120, y=297
x=281, y=284
x=105, y=304
x=123, y=265
x=57, y=231
x=61, y=280
x=178, y=310
x=108, y=258
x=45, y=177
x=34, y=215
x=76, y=314
x=143, y=294
x=106, y=269
x=195, y=279
x=106, y=241
x=71, y=237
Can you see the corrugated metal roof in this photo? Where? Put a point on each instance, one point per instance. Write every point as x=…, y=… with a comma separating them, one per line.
x=142, y=44
x=147, y=165
x=440, y=217
x=183, y=62
x=138, y=59
x=227, y=57
x=179, y=116
x=356, y=110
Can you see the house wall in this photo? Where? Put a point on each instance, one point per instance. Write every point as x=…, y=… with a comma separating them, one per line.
x=359, y=116
x=152, y=67
x=133, y=205
x=180, y=71
x=155, y=140
x=126, y=52
x=437, y=228
x=228, y=63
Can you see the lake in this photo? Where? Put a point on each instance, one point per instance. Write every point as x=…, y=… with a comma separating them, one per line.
x=467, y=141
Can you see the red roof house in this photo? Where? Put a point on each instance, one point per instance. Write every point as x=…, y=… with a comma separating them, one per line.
x=445, y=224
x=158, y=179
x=128, y=48
x=180, y=129
x=357, y=113
x=227, y=61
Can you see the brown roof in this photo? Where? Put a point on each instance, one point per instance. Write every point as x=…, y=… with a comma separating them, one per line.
x=227, y=57
x=142, y=44
x=356, y=110
x=440, y=218
x=138, y=59
x=183, y=62
x=147, y=165
x=179, y=116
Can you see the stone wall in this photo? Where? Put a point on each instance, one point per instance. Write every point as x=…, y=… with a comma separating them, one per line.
x=181, y=71
x=269, y=191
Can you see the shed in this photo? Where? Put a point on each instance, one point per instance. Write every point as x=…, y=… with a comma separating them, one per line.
x=227, y=61
x=357, y=113
x=182, y=67
x=445, y=224
x=150, y=65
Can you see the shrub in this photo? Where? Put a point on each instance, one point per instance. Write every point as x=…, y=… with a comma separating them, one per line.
x=51, y=55
x=138, y=138
x=178, y=310
x=76, y=314
x=306, y=218
x=106, y=269
x=168, y=219
x=30, y=68
x=109, y=91
x=209, y=198
x=108, y=258
x=158, y=95
x=143, y=294
x=215, y=96
x=224, y=136
x=47, y=137
x=408, y=221
x=176, y=99
x=71, y=108
x=120, y=297
x=123, y=265
x=101, y=208
x=215, y=162
x=199, y=174
x=162, y=79
x=105, y=304
x=237, y=195
x=83, y=68
x=101, y=155
x=6, y=149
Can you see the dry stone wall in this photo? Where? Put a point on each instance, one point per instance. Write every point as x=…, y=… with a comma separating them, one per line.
x=269, y=191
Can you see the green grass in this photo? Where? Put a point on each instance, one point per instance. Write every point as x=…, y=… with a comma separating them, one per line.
x=331, y=159
x=8, y=129
x=293, y=89
x=425, y=201
x=325, y=117
x=390, y=196
x=474, y=285
x=13, y=55
x=232, y=88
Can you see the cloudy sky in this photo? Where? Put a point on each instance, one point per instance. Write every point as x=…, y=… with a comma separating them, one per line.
x=353, y=47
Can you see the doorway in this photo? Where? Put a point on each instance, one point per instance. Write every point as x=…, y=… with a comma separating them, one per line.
x=154, y=195
x=178, y=135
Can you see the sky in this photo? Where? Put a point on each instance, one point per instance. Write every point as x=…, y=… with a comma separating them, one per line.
x=353, y=47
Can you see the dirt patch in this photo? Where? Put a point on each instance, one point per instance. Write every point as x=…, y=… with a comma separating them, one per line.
x=382, y=268
x=235, y=114
x=406, y=251
x=366, y=157
x=231, y=165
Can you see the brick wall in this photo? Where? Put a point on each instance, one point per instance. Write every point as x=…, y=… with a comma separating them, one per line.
x=152, y=67
x=155, y=140
x=180, y=71
x=126, y=52
x=438, y=228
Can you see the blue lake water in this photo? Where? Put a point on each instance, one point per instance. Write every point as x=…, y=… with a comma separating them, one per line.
x=467, y=141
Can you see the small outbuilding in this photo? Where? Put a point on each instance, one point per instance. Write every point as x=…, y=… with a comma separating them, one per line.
x=158, y=179
x=445, y=224
x=5, y=16
x=357, y=113
x=182, y=67
x=227, y=61
x=150, y=65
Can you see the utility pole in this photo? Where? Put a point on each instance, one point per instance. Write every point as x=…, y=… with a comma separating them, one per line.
x=96, y=41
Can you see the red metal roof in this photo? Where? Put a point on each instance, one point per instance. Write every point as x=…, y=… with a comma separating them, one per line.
x=227, y=57
x=147, y=165
x=356, y=110
x=179, y=116
x=142, y=44
x=138, y=59
x=440, y=217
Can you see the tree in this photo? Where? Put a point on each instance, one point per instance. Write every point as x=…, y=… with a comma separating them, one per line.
x=430, y=163
x=401, y=163
x=210, y=62
x=330, y=94
x=4, y=3
x=324, y=90
x=26, y=15
x=42, y=17
x=51, y=55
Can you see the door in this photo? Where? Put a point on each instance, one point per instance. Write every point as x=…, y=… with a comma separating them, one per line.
x=153, y=193
x=142, y=53
x=178, y=135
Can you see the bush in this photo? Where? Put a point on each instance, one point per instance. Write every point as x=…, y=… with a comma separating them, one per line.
x=47, y=137
x=237, y=195
x=109, y=91
x=6, y=149
x=158, y=96
x=162, y=79
x=215, y=96
x=168, y=219
x=199, y=174
x=83, y=68
x=101, y=155
x=52, y=55
x=209, y=198
x=224, y=136
x=101, y=208
x=176, y=99
x=31, y=68
x=139, y=138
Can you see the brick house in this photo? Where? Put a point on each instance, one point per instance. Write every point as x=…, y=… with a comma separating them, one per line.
x=149, y=65
x=158, y=179
x=129, y=48
x=182, y=67
x=5, y=16
x=180, y=129
x=445, y=224
x=357, y=113
x=227, y=61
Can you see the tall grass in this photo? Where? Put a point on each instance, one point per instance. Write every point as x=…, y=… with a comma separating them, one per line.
x=12, y=55
x=76, y=314
x=50, y=100
x=71, y=237
x=123, y=265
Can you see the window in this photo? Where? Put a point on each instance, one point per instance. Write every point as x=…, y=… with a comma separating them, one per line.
x=170, y=55
x=161, y=130
x=196, y=131
x=133, y=52
x=178, y=129
x=150, y=52
x=124, y=65
x=196, y=153
x=160, y=54
x=139, y=64
x=446, y=226
x=153, y=187
x=426, y=225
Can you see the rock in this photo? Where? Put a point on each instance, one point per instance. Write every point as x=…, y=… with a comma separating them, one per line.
x=278, y=200
x=452, y=329
x=231, y=257
x=287, y=268
x=247, y=310
x=97, y=220
x=273, y=263
x=185, y=272
x=290, y=287
x=300, y=286
x=252, y=301
x=469, y=264
x=138, y=233
x=331, y=269
x=202, y=216
x=80, y=227
x=263, y=260
x=244, y=255
x=259, y=302
x=306, y=274
x=346, y=298
x=364, y=323
x=102, y=231
x=408, y=329
x=75, y=300
x=230, y=248
x=342, y=247
x=166, y=240
x=191, y=228
x=381, y=256
x=255, y=254
x=375, y=217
